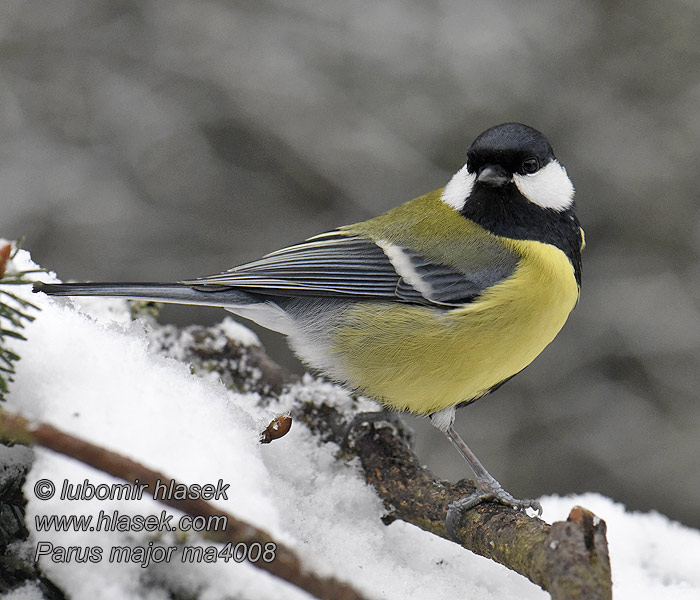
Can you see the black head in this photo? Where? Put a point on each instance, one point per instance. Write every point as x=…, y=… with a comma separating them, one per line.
x=514, y=147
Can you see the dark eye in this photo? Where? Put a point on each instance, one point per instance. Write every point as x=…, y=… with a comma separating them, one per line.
x=531, y=165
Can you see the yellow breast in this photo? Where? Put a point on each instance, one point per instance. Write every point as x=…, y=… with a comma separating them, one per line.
x=424, y=360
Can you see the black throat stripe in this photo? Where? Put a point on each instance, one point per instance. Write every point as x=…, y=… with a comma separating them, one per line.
x=506, y=212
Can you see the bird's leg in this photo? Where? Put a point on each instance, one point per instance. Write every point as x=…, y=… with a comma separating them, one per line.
x=487, y=488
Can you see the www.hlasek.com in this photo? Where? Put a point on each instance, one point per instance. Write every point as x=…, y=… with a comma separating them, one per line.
x=145, y=555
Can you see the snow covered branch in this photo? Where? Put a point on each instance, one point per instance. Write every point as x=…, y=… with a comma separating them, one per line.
x=567, y=559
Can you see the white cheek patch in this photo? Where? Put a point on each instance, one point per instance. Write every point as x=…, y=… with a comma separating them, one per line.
x=550, y=187
x=458, y=189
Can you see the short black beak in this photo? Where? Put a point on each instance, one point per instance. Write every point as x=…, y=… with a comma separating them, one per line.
x=493, y=175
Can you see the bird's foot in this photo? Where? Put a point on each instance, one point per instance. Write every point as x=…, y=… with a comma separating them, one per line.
x=488, y=493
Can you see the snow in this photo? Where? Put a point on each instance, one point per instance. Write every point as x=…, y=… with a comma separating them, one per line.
x=235, y=331
x=88, y=369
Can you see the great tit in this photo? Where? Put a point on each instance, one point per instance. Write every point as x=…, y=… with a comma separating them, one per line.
x=429, y=306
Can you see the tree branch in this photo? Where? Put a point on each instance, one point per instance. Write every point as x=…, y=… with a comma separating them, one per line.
x=567, y=559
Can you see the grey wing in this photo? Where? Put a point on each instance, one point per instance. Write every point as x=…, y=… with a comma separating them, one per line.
x=337, y=265
x=444, y=285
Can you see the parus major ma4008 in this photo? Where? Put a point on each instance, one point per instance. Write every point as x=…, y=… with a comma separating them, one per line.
x=429, y=306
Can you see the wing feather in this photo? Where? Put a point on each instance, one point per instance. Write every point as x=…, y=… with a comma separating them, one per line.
x=336, y=264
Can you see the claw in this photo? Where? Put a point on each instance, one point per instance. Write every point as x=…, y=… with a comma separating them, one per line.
x=456, y=508
x=487, y=488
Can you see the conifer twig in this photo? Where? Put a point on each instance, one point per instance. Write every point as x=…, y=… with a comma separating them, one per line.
x=12, y=316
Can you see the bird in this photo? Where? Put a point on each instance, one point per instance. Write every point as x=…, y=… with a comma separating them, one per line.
x=429, y=306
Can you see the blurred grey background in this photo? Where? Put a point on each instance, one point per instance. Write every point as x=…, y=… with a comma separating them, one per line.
x=160, y=140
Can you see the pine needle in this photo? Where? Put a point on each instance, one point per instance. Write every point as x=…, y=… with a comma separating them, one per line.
x=13, y=315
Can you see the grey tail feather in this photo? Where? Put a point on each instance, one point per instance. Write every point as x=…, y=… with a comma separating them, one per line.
x=176, y=293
